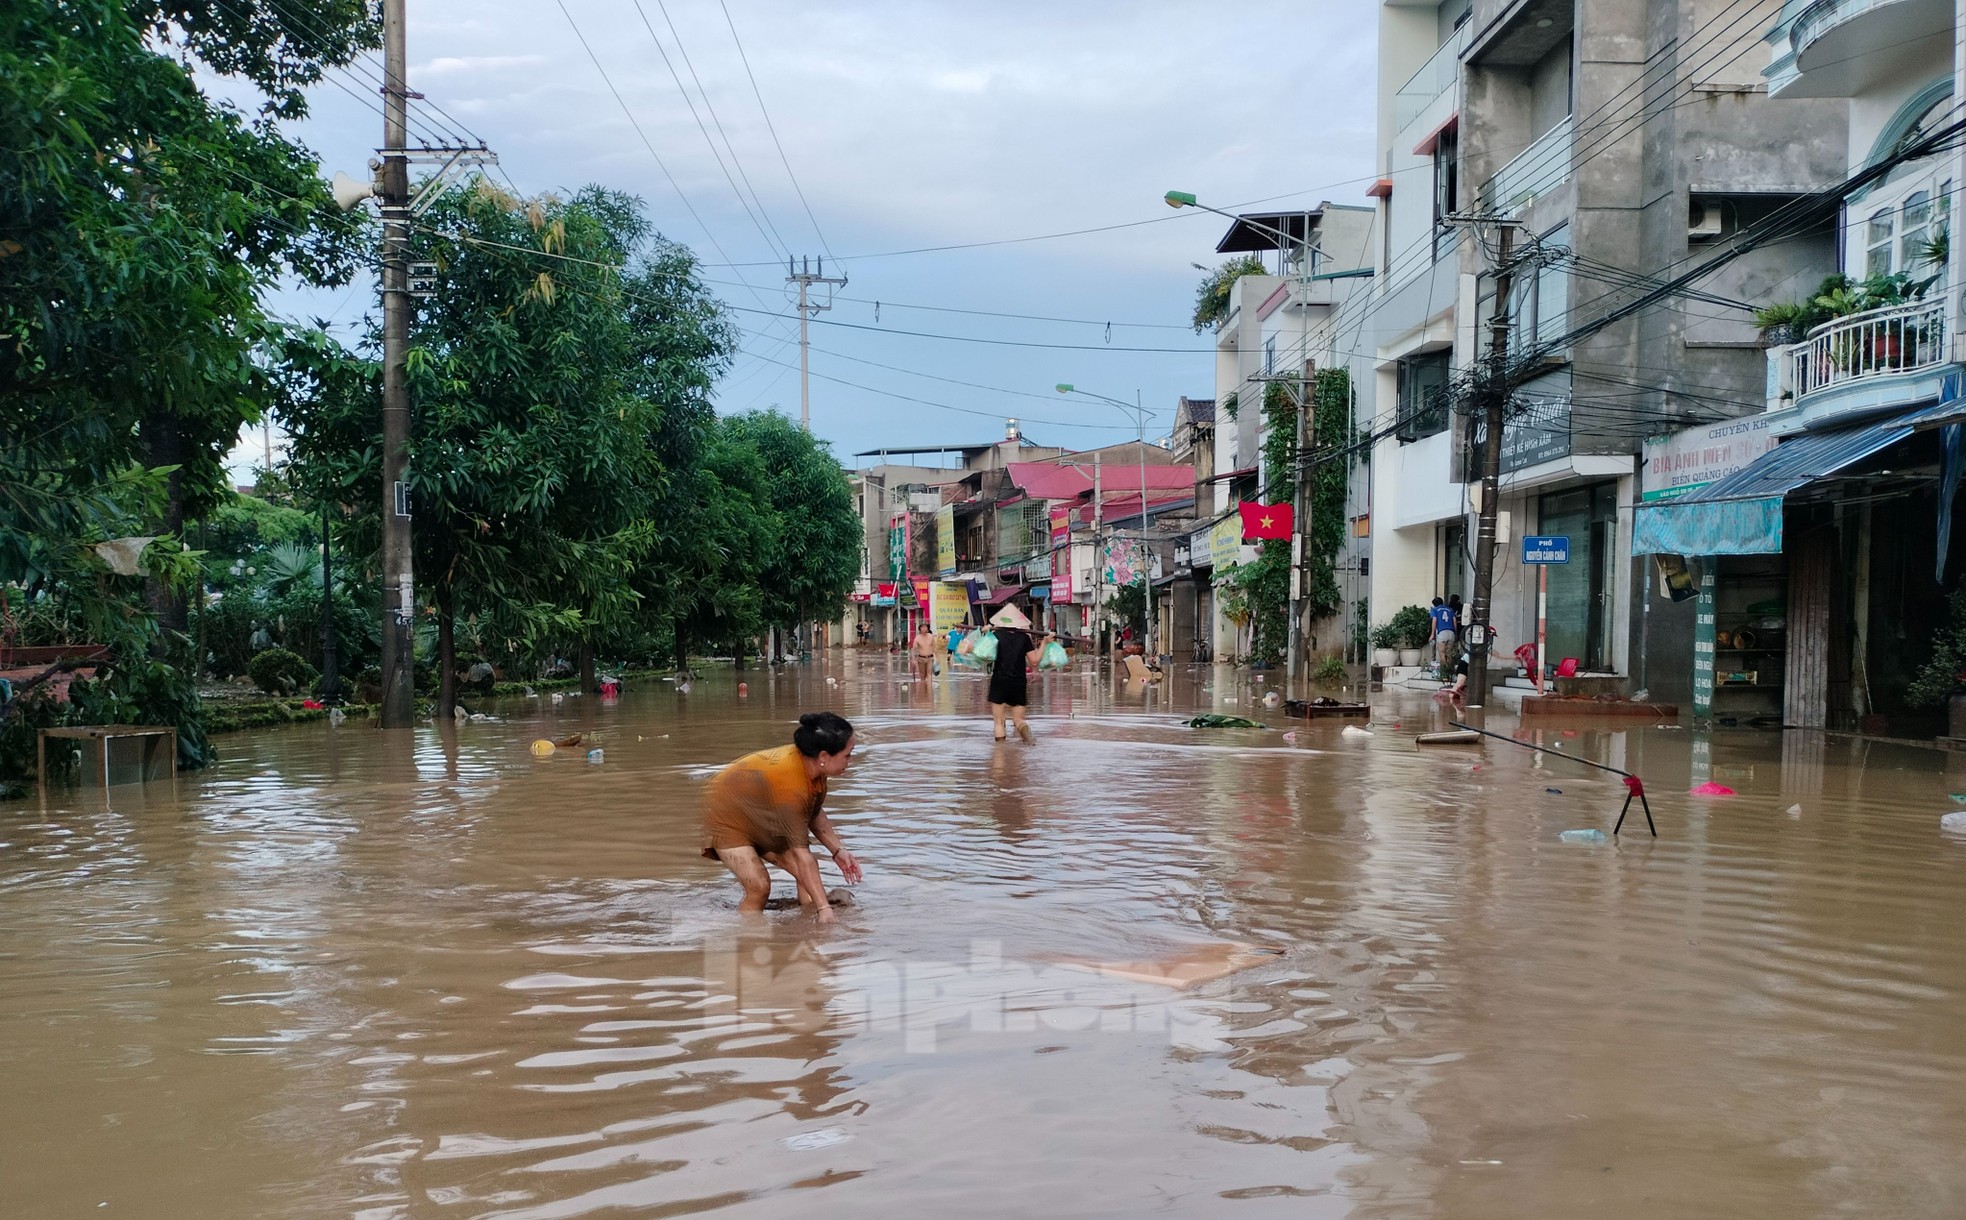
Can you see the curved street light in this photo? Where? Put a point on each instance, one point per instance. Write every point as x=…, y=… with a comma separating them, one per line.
x=1186, y=199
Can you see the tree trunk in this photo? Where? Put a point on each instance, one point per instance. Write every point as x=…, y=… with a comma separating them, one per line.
x=587, y=668
x=163, y=445
x=446, y=657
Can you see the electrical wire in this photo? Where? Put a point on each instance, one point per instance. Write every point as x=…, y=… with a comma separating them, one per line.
x=771, y=239
x=771, y=127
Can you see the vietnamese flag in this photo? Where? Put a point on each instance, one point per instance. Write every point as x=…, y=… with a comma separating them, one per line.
x=1267, y=520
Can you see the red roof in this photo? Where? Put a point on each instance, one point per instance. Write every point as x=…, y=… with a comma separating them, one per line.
x=1045, y=481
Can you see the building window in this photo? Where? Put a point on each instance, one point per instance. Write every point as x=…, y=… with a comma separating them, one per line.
x=1914, y=228
x=1447, y=189
x=1269, y=355
x=1877, y=240
x=1422, y=382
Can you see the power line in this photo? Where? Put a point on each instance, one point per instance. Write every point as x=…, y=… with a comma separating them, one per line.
x=771, y=127
x=775, y=243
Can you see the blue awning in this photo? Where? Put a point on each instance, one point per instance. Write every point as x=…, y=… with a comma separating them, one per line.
x=1741, y=513
x=1715, y=527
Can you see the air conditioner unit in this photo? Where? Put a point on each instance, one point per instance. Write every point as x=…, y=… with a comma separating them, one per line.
x=1703, y=221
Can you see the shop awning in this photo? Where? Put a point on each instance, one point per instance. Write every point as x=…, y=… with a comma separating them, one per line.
x=1741, y=514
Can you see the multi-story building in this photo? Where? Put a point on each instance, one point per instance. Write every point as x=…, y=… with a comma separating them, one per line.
x=1574, y=152
x=1819, y=535
x=1263, y=340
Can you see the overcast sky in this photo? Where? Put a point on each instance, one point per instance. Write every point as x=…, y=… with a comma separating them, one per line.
x=911, y=125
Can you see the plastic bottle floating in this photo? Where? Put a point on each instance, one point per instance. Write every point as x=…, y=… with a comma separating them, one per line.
x=1582, y=836
x=594, y=755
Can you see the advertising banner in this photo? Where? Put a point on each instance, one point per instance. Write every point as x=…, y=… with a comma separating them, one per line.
x=1225, y=542
x=1061, y=554
x=897, y=546
x=945, y=540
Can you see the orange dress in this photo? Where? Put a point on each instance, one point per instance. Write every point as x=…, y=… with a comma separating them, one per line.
x=762, y=801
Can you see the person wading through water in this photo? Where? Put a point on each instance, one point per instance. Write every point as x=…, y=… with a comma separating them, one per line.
x=1017, y=652
x=765, y=809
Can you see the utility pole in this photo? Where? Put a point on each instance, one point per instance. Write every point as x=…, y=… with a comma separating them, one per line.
x=398, y=581
x=1098, y=564
x=805, y=273
x=1301, y=528
x=330, y=661
x=1495, y=397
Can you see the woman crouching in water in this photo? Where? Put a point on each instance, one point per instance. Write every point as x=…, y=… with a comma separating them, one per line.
x=765, y=808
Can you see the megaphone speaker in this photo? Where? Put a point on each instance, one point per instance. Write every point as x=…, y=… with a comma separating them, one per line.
x=349, y=190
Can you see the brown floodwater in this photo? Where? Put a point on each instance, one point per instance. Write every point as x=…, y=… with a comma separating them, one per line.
x=350, y=974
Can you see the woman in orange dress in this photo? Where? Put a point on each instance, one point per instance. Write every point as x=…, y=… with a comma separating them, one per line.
x=765, y=808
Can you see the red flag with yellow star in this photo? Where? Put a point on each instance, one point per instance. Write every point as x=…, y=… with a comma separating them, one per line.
x=1267, y=520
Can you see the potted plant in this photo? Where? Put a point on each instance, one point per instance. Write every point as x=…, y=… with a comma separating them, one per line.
x=1942, y=679
x=1784, y=323
x=1386, y=645
x=1412, y=630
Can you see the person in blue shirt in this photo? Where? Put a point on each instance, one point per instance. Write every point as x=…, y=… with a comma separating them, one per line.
x=1445, y=622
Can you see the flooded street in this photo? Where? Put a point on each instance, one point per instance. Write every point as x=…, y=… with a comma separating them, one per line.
x=333, y=978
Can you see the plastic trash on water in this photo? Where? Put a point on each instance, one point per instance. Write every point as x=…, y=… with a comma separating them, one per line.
x=1272, y=699
x=1712, y=789
x=542, y=747
x=594, y=755
x=1954, y=823
x=1795, y=811
x=1352, y=730
x=1582, y=836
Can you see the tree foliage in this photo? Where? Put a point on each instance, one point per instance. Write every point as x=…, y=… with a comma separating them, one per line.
x=1212, y=294
x=140, y=226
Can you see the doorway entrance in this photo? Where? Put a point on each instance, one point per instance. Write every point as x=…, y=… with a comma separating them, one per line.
x=1581, y=590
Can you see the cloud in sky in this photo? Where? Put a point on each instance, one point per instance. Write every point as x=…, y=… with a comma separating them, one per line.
x=912, y=125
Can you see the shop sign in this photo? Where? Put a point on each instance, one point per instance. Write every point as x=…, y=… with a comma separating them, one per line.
x=1536, y=431
x=1703, y=642
x=948, y=603
x=1693, y=457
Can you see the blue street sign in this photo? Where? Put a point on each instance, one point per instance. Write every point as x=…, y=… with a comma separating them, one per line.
x=1548, y=549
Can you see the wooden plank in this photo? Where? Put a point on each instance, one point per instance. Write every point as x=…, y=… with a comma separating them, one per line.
x=1805, y=698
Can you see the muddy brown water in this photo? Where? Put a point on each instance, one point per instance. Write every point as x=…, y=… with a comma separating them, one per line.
x=345, y=974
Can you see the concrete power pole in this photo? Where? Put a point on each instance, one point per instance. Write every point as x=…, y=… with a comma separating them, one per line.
x=805, y=273
x=1495, y=397
x=1296, y=667
x=398, y=581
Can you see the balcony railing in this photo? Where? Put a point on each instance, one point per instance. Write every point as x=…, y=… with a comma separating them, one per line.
x=1889, y=339
x=1434, y=78
x=1536, y=170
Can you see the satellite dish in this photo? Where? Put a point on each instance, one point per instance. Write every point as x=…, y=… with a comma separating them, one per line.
x=349, y=191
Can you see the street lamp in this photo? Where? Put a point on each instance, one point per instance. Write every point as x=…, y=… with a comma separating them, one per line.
x=1186, y=199
x=1139, y=414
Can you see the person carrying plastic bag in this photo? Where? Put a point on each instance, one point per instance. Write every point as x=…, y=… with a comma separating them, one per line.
x=1012, y=652
x=1053, y=656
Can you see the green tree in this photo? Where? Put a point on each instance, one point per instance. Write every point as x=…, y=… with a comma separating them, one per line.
x=542, y=391
x=140, y=224
x=819, y=533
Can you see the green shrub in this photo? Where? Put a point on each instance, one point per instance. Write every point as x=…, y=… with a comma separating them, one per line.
x=278, y=671
x=1329, y=671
